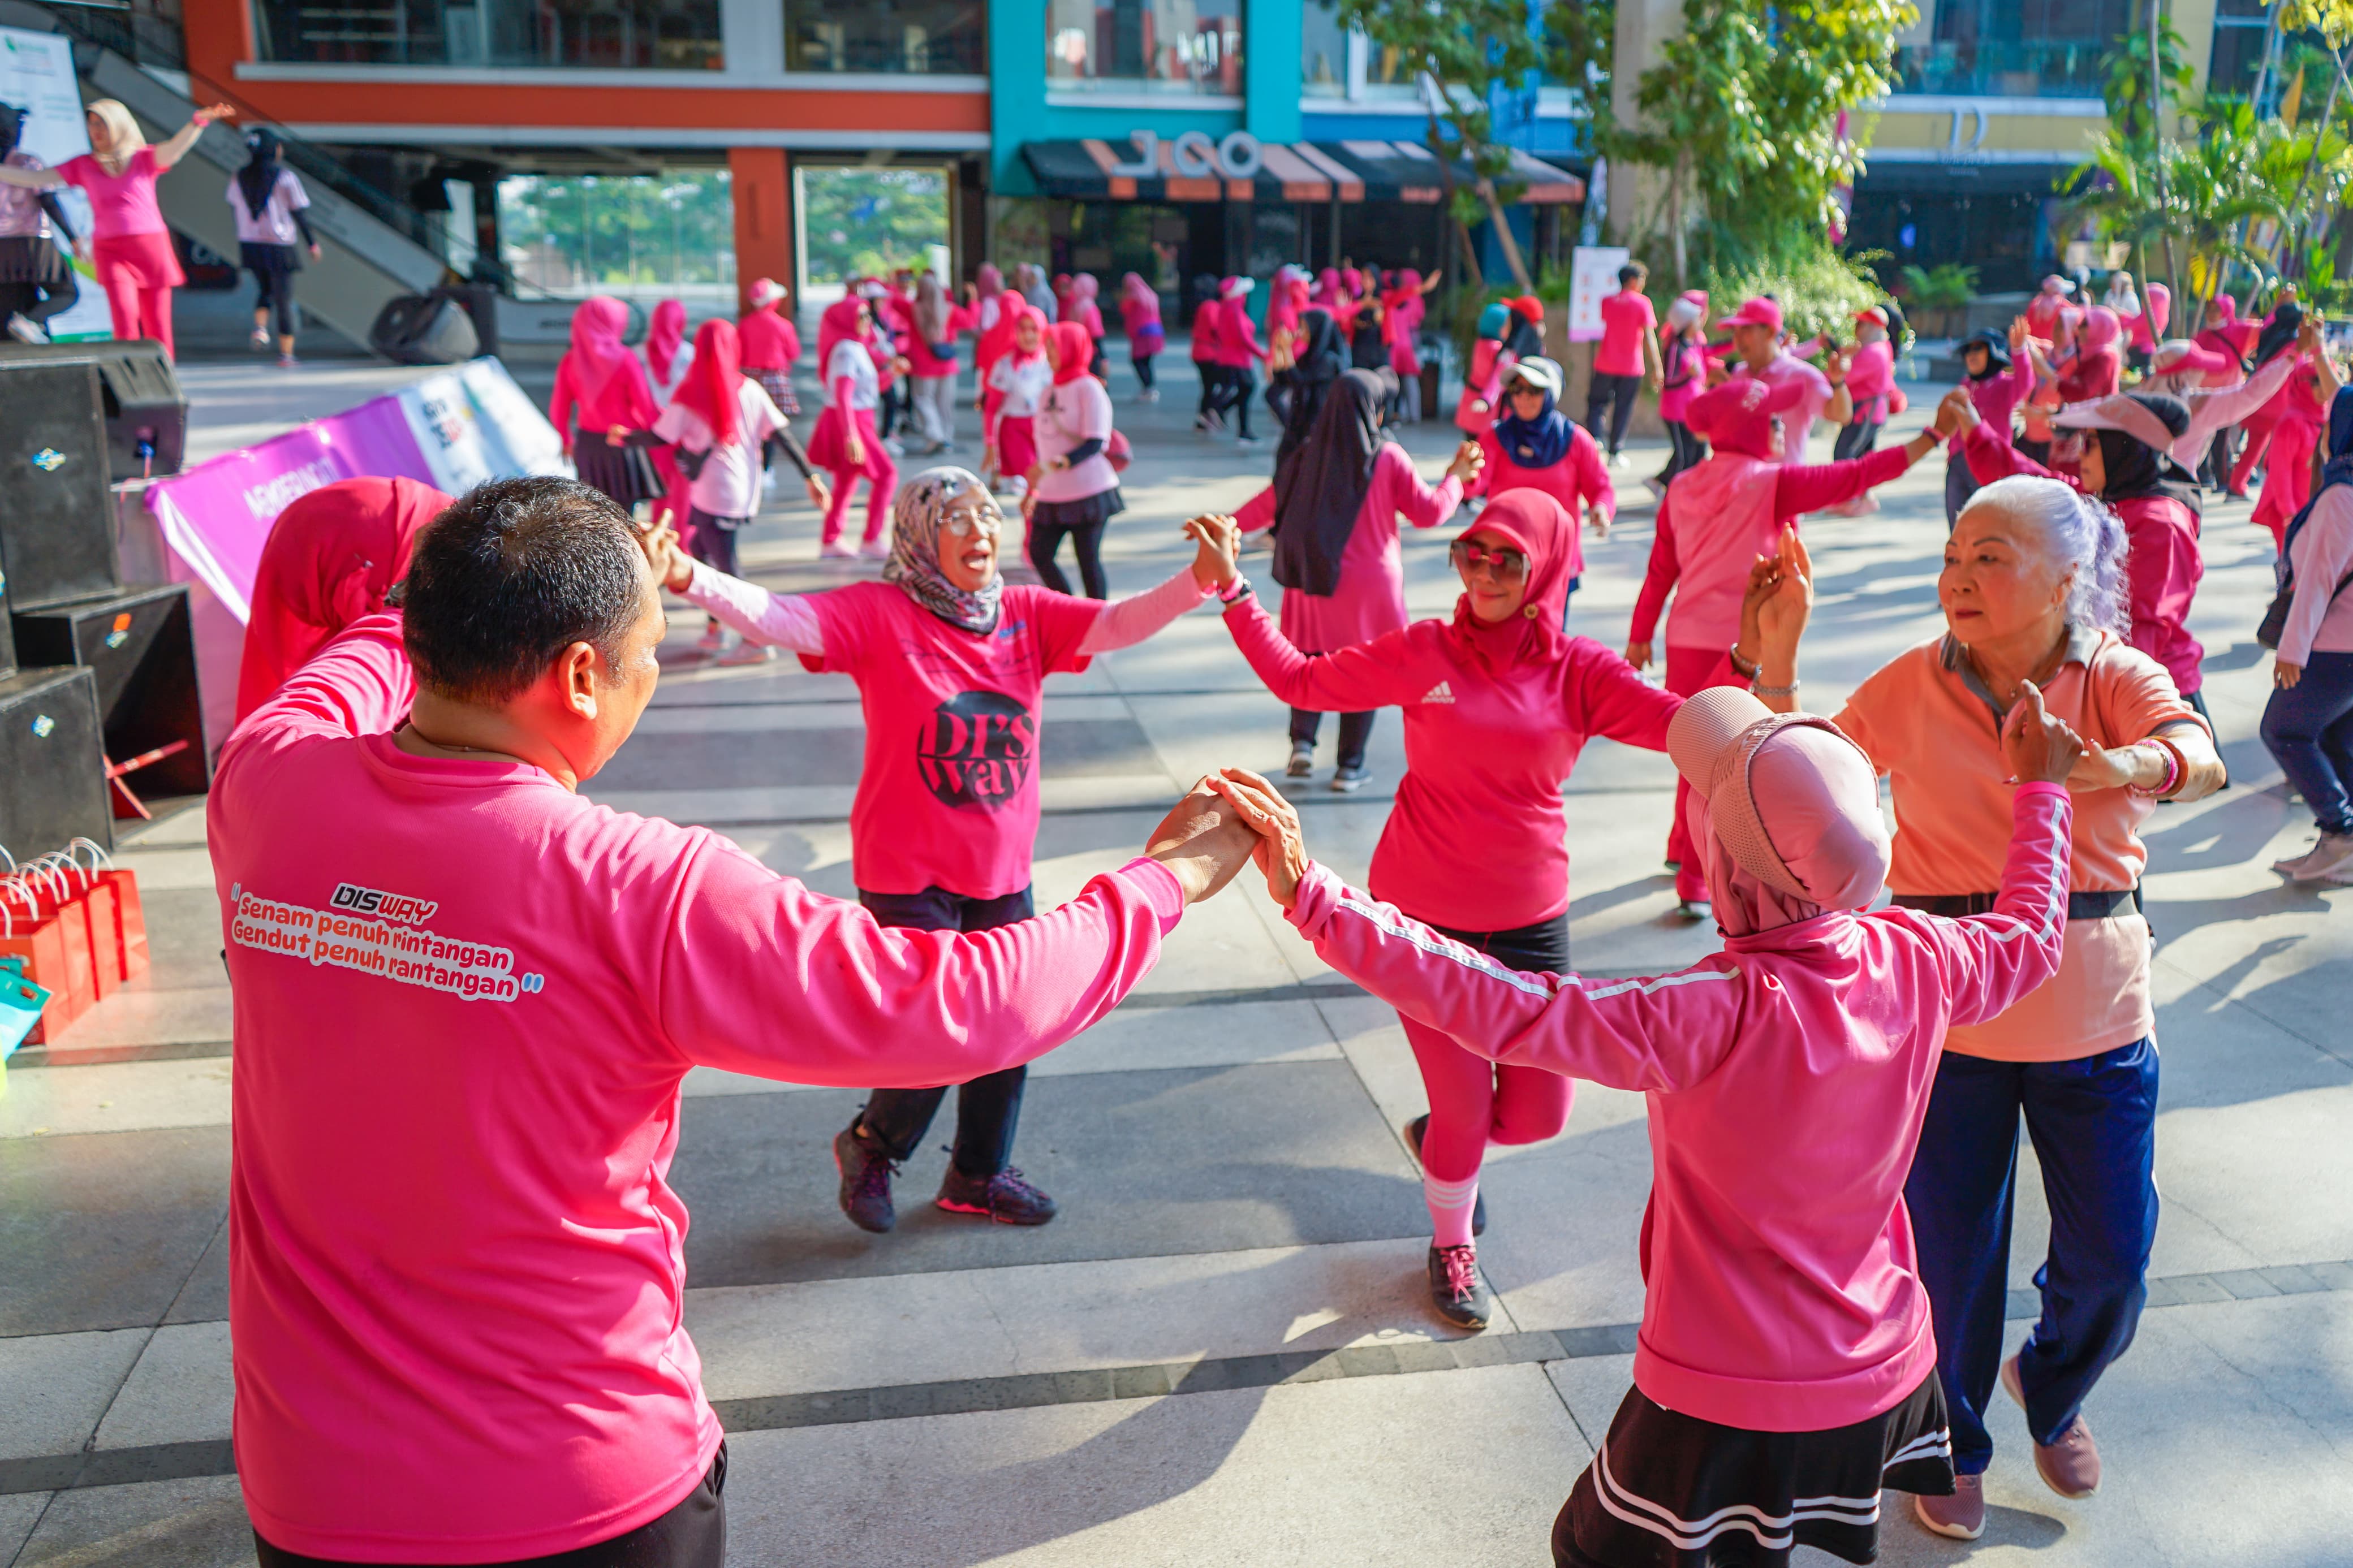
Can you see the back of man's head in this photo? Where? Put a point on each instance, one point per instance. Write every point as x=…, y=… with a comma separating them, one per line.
x=512, y=574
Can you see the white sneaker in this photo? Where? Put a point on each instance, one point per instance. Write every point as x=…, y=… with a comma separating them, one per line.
x=839, y=550
x=260, y=337
x=713, y=639
x=748, y=653
x=877, y=550
x=2332, y=854
x=24, y=329
x=1620, y=460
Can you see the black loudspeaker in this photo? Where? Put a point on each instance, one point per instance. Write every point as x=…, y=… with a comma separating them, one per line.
x=57, y=515
x=423, y=329
x=140, y=400
x=52, y=774
x=140, y=647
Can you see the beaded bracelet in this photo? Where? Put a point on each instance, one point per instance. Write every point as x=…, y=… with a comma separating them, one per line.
x=2172, y=771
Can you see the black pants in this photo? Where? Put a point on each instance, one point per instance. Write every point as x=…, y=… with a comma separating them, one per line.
x=1960, y=484
x=1856, y=439
x=1356, y=730
x=1234, y=391
x=1615, y=395
x=987, y=1108
x=691, y=1535
x=274, y=292
x=897, y=398
x=2219, y=457
x=1689, y=449
x=712, y=539
x=1143, y=363
x=1538, y=948
x=1086, y=540
x=36, y=302
x=1212, y=386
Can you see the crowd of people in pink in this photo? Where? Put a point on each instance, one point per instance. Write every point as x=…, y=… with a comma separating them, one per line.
x=457, y=1261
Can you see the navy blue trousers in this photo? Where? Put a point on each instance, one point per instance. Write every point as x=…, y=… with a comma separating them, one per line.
x=2093, y=1123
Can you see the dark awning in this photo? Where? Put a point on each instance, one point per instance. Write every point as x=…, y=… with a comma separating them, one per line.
x=1098, y=169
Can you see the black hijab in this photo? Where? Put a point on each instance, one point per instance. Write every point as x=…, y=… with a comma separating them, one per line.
x=1997, y=348
x=2136, y=470
x=1317, y=365
x=259, y=175
x=2279, y=334
x=12, y=128
x=1320, y=487
x=1525, y=340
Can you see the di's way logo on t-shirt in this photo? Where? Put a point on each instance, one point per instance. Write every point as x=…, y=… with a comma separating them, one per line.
x=978, y=750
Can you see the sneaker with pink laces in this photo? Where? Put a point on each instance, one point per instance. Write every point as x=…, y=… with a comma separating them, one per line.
x=2071, y=1467
x=1456, y=1289
x=1960, y=1516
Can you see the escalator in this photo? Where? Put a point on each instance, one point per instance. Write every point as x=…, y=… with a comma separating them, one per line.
x=375, y=247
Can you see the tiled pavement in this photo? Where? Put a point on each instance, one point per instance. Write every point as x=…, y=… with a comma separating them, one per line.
x=1220, y=1354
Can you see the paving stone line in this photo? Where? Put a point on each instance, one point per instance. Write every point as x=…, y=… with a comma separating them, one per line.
x=1216, y=1375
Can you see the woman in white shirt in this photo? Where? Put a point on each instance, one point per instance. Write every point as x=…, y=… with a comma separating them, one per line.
x=845, y=443
x=267, y=201
x=1021, y=379
x=716, y=426
x=1074, y=488
x=2308, y=725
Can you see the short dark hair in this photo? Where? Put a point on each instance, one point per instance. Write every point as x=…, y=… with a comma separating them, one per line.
x=513, y=572
x=1633, y=272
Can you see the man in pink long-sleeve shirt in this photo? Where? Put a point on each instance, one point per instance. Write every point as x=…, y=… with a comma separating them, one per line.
x=466, y=998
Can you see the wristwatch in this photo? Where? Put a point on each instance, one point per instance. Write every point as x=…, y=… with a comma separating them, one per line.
x=1235, y=591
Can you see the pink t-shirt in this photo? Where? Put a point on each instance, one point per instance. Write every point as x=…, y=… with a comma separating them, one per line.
x=120, y=205
x=466, y=998
x=947, y=796
x=1625, y=317
x=1371, y=596
x=1485, y=758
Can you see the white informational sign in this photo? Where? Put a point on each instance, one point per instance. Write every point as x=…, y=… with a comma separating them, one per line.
x=1592, y=278
x=36, y=75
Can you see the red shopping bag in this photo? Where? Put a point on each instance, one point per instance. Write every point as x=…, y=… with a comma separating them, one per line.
x=53, y=939
x=101, y=909
x=130, y=920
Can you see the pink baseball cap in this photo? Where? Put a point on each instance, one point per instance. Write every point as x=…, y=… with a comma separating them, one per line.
x=1757, y=312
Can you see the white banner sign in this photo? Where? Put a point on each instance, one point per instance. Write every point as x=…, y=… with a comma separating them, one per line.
x=1592, y=278
x=36, y=75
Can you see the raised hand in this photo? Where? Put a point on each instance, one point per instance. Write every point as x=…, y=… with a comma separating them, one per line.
x=1956, y=413
x=1203, y=841
x=1281, y=852
x=1216, y=563
x=673, y=567
x=2017, y=336
x=2039, y=748
x=1468, y=459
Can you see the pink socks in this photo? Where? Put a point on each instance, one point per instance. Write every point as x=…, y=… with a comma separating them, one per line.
x=1451, y=1205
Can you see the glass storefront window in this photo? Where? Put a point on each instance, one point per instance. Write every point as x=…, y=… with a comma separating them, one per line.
x=660, y=34
x=922, y=36
x=1323, y=52
x=1145, y=46
x=2044, y=48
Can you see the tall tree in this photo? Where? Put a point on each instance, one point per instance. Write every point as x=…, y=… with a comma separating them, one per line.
x=1464, y=52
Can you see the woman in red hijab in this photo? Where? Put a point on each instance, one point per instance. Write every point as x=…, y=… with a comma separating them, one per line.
x=604, y=384
x=329, y=559
x=1498, y=703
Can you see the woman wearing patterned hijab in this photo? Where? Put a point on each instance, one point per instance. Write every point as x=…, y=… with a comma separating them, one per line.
x=950, y=661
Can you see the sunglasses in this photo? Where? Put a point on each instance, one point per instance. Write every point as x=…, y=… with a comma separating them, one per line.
x=1467, y=557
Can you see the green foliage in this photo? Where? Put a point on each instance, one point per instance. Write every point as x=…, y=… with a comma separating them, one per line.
x=861, y=222
x=1819, y=290
x=1743, y=110
x=1580, y=37
x=1473, y=47
x=1943, y=286
x=2126, y=85
x=597, y=231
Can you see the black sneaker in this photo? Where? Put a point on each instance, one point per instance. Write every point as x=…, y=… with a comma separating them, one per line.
x=1303, y=762
x=1413, y=1131
x=1458, y=1292
x=866, y=1172
x=1695, y=910
x=1349, y=780
x=1004, y=1197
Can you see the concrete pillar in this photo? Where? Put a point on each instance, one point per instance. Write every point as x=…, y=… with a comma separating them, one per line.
x=763, y=191
x=1636, y=190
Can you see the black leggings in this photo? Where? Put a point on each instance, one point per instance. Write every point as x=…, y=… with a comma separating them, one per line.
x=1234, y=391
x=1213, y=380
x=36, y=302
x=693, y=1534
x=988, y=1109
x=1143, y=363
x=274, y=292
x=1086, y=540
x=710, y=543
x=1856, y=439
x=1689, y=449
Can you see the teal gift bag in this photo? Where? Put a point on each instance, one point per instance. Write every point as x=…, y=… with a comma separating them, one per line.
x=21, y=1002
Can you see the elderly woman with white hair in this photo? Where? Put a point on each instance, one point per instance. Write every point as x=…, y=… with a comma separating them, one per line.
x=129, y=248
x=2033, y=595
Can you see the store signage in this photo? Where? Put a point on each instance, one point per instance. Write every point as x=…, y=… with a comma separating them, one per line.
x=1194, y=156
